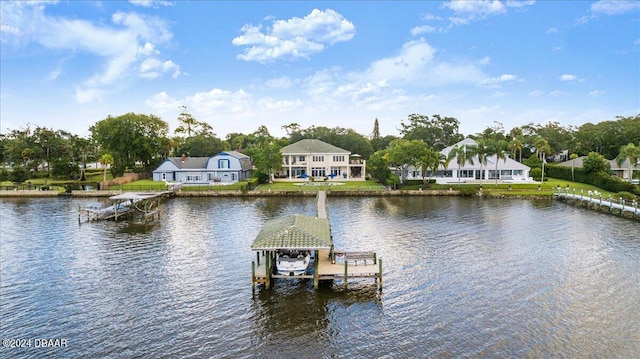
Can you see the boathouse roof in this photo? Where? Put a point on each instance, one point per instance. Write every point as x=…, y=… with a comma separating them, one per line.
x=294, y=232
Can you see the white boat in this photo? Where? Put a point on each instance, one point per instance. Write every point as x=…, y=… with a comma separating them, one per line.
x=292, y=262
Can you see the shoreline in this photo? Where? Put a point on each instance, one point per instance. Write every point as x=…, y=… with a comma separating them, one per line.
x=240, y=194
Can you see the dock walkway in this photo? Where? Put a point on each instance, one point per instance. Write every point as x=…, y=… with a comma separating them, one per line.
x=595, y=199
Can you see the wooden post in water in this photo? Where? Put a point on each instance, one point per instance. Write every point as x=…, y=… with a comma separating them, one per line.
x=253, y=275
x=380, y=271
x=345, y=270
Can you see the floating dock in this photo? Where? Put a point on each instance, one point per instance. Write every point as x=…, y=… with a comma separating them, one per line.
x=310, y=234
x=594, y=199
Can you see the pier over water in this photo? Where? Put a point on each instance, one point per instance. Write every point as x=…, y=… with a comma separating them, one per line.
x=313, y=234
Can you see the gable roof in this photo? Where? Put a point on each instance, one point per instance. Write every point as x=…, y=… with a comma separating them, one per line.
x=507, y=163
x=309, y=146
x=294, y=232
x=245, y=161
x=190, y=163
x=578, y=162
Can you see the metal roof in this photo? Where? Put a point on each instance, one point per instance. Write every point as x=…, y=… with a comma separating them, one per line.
x=294, y=232
x=312, y=146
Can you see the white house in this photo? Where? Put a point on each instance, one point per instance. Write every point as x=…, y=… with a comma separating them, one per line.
x=507, y=170
x=318, y=159
x=225, y=167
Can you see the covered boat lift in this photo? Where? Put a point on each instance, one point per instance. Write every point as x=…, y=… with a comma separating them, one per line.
x=303, y=232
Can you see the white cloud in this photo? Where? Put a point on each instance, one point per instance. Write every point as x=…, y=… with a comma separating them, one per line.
x=557, y=93
x=281, y=82
x=617, y=7
x=422, y=30
x=570, y=78
x=162, y=102
x=467, y=11
x=552, y=30
x=122, y=48
x=536, y=93
x=294, y=38
x=151, y=3
x=567, y=77
x=152, y=68
x=596, y=93
x=495, y=82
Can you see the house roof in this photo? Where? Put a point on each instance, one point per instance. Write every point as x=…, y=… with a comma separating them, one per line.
x=190, y=163
x=245, y=161
x=294, y=232
x=507, y=163
x=614, y=164
x=309, y=146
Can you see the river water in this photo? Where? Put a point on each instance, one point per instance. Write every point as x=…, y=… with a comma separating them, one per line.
x=463, y=277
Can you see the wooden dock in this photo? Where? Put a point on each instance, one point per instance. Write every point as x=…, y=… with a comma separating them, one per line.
x=125, y=205
x=328, y=264
x=595, y=200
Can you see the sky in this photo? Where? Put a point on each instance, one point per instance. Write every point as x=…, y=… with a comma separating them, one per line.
x=239, y=65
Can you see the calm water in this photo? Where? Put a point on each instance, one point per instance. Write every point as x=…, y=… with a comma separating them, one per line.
x=462, y=278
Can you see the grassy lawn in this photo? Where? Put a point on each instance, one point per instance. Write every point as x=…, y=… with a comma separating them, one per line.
x=315, y=186
x=150, y=185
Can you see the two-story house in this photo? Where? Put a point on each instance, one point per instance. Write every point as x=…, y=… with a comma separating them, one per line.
x=225, y=167
x=318, y=159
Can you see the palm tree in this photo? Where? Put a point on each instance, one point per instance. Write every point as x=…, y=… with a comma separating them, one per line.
x=542, y=148
x=105, y=160
x=482, y=151
x=573, y=157
x=498, y=149
x=516, y=145
x=462, y=154
x=631, y=152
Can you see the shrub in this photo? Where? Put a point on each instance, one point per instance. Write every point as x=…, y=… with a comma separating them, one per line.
x=536, y=174
x=468, y=190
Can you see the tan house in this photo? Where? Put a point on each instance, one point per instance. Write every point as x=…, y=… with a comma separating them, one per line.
x=319, y=160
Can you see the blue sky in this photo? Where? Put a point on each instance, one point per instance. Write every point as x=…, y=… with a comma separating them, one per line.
x=239, y=65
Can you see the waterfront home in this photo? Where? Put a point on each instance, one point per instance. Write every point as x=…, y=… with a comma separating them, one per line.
x=224, y=168
x=621, y=171
x=319, y=160
x=504, y=170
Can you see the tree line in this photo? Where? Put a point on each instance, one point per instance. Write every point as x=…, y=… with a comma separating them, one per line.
x=139, y=142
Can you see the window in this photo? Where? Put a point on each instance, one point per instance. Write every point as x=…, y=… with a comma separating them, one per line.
x=164, y=176
x=465, y=174
x=335, y=171
x=318, y=158
x=318, y=172
x=338, y=158
x=301, y=158
x=224, y=164
x=194, y=178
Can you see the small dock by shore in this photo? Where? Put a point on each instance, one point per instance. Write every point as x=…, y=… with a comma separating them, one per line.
x=595, y=200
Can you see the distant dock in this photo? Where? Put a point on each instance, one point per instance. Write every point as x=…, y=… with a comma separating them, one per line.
x=312, y=234
x=595, y=200
x=125, y=205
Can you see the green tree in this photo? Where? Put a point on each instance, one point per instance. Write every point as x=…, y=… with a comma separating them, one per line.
x=437, y=132
x=542, y=148
x=132, y=139
x=375, y=136
x=106, y=160
x=632, y=153
x=190, y=126
x=499, y=149
x=378, y=166
x=403, y=153
x=267, y=158
x=595, y=163
x=201, y=146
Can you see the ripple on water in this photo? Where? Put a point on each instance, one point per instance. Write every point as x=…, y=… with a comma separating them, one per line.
x=462, y=278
